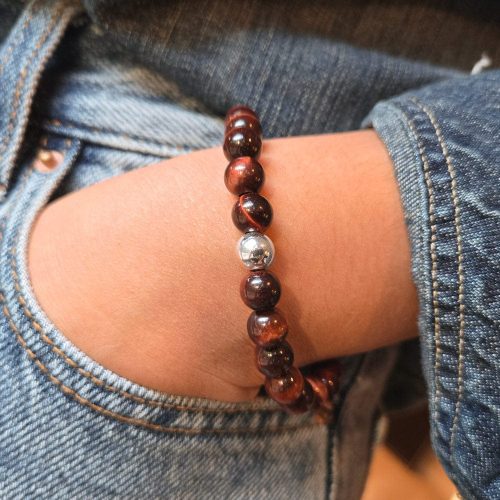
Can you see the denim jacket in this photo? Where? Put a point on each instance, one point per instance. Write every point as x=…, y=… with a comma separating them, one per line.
x=114, y=89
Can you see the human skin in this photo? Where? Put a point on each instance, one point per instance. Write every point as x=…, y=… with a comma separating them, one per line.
x=141, y=273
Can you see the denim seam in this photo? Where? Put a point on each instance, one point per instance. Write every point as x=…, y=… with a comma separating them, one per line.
x=171, y=91
x=10, y=49
x=123, y=418
x=101, y=383
x=18, y=90
x=434, y=269
x=335, y=469
x=329, y=462
x=461, y=306
x=56, y=124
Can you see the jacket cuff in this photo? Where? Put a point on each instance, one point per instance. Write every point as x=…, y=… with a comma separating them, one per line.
x=443, y=142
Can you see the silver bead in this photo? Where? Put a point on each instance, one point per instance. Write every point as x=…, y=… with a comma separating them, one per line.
x=256, y=250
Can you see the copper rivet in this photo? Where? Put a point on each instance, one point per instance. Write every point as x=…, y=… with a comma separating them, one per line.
x=47, y=160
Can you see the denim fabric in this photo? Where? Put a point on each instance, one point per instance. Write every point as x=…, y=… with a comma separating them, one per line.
x=444, y=142
x=117, y=88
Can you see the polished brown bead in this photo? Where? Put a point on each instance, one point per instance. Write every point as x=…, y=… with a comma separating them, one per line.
x=267, y=327
x=237, y=110
x=306, y=401
x=244, y=175
x=274, y=360
x=260, y=290
x=329, y=374
x=287, y=389
x=245, y=121
x=242, y=142
x=322, y=391
x=252, y=212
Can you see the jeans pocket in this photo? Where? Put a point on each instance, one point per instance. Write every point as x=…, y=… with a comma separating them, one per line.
x=96, y=434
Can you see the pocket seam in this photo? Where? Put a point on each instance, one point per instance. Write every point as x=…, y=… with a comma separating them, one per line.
x=131, y=420
x=18, y=90
x=150, y=146
x=56, y=123
x=99, y=382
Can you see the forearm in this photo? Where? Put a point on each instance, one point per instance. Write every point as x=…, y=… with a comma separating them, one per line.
x=146, y=277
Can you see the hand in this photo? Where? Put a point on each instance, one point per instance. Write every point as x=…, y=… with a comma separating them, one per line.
x=140, y=271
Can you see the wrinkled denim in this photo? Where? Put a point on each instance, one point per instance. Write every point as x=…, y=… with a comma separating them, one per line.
x=444, y=141
x=115, y=89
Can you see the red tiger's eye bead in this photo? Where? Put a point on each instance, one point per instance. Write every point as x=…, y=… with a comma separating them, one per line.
x=260, y=290
x=322, y=391
x=287, y=389
x=306, y=401
x=329, y=374
x=244, y=121
x=266, y=328
x=274, y=360
x=239, y=109
x=244, y=175
x=242, y=142
x=252, y=212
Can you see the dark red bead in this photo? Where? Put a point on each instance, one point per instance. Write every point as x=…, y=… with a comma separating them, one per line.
x=329, y=374
x=244, y=175
x=306, y=401
x=266, y=328
x=274, y=360
x=242, y=142
x=322, y=391
x=252, y=212
x=286, y=389
x=260, y=290
x=239, y=109
x=244, y=121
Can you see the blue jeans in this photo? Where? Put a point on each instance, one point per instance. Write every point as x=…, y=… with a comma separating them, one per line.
x=117, y=99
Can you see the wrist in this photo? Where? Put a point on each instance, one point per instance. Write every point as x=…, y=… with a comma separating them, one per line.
x=145, y=277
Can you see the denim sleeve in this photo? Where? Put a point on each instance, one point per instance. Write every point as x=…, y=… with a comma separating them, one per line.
x=444, y=140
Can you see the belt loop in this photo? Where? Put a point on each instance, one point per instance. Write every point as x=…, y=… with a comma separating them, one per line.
x=23, y=57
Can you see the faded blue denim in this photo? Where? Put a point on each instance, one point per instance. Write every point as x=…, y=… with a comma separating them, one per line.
x=444, y=141
x=117, y=88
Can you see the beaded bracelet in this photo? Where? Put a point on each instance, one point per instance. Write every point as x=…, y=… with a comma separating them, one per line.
x=260, y=289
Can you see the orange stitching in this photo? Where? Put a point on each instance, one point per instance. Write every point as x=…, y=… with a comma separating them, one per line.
x=123, y=418
x=22, y=183
x=435, y=288
x=458, y=229
x=24, y=74
x=15, y=42
x=100, y=382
